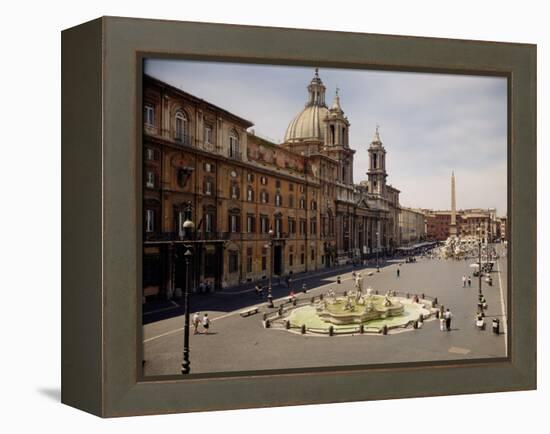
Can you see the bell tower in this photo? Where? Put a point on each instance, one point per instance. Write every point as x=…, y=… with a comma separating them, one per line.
x=337, y=140
x=377, y=165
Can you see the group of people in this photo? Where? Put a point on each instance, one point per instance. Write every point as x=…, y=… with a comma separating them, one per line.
x=198, y=321
x=466, y=281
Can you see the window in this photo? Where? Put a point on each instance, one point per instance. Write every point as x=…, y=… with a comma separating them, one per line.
x=302, y=203
x=374, y=161
x=302, y=258
x=183, y=176
x=278, y=183
x=208, y=167
x=278, y=200
x=234, y=190
x=264, y=224
x=312, y=255
x=264, y=197
x=149, y=115
x=249, y=264
x=250, y=195
x=208, y=186
x=313, y=205
x=208, y=134
x=233, y=144
x=209, y=222
x=250, y=177
x=291, y=225
x=264, y=263
x=150, y=181
x=234, y=222
x=313, y=226
x=263, y=180
x=291, y=260
x=291, y=201
x=233, y=262
x=302, y=227
x=291, y=186
x=149, y=220
x=302, y=188
x=278, y=227
x=250, y=223
x=181, y=126
x=150, y=154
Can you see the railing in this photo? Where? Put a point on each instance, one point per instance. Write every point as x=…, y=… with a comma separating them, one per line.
x=234, y=155
x=184, y=140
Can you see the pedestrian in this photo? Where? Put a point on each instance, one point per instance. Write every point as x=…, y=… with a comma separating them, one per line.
x=205, y=323
x=442, y=324
x=398, y=272
x=469, y=281
x=304, y=288
x=258, y=290
x=448, y=315
x=464, y=281
x=196, y=322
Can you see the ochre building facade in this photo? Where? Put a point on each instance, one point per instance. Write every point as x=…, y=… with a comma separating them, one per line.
x=241, y=186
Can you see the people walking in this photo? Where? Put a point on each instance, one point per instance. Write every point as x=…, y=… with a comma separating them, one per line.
x=205, y=323
x=469, y=281
x=258, y=289
x=442, y=324
x=196, y=322
x=448, y=315
x=398, y=272
x=464, y=281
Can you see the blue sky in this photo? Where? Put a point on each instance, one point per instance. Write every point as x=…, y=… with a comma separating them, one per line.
x=430, y=124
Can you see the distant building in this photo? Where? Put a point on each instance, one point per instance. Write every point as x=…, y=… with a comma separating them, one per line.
x=438, y=223
x=412, y=226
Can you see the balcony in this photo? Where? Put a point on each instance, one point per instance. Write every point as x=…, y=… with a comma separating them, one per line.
x=184, y=140
x=235, y=155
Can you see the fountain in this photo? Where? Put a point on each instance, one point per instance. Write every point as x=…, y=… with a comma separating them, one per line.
x=355, y=312
x=355, y=308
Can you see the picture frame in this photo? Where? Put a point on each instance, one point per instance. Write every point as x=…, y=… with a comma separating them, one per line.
x=101, y=216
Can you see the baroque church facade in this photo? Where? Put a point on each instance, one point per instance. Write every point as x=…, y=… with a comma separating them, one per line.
x=259, y=208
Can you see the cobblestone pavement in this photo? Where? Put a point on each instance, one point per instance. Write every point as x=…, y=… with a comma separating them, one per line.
x=243, y=344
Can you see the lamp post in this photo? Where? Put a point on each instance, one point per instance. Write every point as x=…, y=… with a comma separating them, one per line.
x=188, y=227
x=377, y=247
x=270, y=232
x=479, y=257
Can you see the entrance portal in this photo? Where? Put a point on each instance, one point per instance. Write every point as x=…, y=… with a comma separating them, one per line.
x=278, y=260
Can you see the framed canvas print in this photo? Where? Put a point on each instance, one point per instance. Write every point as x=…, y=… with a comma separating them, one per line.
x=262, y=217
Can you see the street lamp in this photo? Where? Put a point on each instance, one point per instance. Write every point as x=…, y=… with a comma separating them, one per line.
x=479, y=256
x=270, y=233
x=188, y=227
x=377, y=246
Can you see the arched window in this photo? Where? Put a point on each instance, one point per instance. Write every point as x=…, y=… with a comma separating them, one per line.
x=278, y=200
x=234, y=145
x=181, y=130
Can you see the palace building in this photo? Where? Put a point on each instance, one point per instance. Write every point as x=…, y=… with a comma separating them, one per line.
x=241, y=186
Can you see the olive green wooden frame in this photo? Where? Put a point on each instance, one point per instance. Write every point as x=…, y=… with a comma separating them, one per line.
x=101, y=216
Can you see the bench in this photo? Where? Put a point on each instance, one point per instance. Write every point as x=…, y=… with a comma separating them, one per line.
x=250, y=311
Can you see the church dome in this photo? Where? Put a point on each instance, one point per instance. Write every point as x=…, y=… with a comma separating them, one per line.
x=309, y=123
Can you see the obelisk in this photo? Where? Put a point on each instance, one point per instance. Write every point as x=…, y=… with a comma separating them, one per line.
x=453, y=232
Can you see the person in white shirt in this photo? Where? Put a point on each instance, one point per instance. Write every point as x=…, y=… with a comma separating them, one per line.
x=448, y=317
x=196, y=322
x=464, y=281
x=205, y=323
